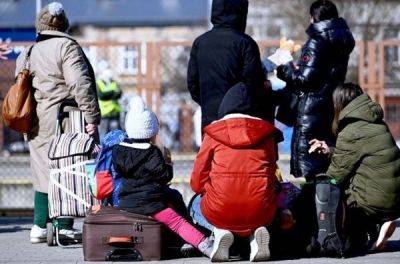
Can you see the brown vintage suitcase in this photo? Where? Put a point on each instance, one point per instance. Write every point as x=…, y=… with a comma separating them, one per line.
x=115, y=235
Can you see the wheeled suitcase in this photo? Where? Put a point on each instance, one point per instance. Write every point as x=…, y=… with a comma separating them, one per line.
x=110, y=234
x=69, y=152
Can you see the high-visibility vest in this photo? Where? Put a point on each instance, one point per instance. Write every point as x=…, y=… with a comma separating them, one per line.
x=108, y=108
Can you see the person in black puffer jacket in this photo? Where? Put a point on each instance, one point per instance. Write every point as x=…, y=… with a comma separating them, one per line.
x=146, y=172
x=223, y=57
x=322, y=67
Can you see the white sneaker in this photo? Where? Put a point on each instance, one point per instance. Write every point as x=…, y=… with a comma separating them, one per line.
x=259, y=245
x=385, y=233
x=70, y=234
x=206, y=247
x=38, y=235
x=223, y=241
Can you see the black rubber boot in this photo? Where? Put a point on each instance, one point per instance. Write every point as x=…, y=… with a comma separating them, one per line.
x=330, y=215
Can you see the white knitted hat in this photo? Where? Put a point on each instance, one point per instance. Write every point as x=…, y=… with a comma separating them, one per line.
x=140, y=122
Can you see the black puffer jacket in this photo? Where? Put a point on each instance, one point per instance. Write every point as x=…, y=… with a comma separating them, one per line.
x=322, y=66
x=145, y=177
x=223, y=57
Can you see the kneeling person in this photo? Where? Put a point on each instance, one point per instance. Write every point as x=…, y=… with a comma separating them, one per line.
x=234, y=173
x=366, y=165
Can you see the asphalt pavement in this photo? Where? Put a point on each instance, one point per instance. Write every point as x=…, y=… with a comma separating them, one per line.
x=16, y=248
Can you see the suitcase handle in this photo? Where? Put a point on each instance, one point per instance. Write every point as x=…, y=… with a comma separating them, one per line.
x=124, y=254
x=120, y=241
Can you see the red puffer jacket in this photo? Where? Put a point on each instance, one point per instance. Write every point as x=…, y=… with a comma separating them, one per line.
x=235, y=171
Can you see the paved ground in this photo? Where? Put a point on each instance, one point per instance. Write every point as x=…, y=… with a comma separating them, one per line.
x=15, y=248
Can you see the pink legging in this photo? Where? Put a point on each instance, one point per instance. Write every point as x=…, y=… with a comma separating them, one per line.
x=180, y=226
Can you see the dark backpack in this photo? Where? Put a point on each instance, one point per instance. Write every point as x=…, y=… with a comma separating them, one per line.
x=331, y=218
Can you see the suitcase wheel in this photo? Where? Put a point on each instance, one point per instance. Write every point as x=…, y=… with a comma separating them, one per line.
x=50, y=234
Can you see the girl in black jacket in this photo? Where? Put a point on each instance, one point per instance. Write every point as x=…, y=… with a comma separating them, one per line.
x=322, y=67
x=146, y=174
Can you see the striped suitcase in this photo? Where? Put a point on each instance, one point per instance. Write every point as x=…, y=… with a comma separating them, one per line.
x=69, y=152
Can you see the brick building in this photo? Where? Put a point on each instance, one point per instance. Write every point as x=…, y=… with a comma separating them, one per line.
x=116, y=31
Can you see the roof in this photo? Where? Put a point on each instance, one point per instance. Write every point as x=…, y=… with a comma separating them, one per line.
x=107, y=13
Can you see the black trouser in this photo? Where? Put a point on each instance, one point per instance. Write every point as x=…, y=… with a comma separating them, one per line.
x=175, y=200
x=296, y=242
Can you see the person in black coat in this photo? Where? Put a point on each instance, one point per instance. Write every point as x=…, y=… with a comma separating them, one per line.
x=146, y=173
x=322, y=67
x=223, y=57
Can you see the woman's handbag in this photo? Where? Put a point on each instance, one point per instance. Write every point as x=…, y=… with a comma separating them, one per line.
x=288, y=107
x=19, y=111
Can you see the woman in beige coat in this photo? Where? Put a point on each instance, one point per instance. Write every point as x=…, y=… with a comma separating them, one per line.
x=60, y=71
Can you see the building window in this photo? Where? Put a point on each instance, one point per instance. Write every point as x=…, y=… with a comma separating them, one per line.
x=130, y=60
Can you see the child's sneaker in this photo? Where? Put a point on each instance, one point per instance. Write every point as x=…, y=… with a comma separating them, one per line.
x=206, y=247
x=187, y=250
x=223, y=241
x=259, y=245
x=38, y=235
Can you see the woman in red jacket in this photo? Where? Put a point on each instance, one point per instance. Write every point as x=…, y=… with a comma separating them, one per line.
x=234, y=173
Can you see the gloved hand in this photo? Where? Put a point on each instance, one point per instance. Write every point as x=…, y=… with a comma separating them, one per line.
x=91, y=129
x=280, y=57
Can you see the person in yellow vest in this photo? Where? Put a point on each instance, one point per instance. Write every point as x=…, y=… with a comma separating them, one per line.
x=109, y=93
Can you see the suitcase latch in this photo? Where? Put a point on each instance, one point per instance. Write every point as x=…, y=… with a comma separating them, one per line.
x=138, y=227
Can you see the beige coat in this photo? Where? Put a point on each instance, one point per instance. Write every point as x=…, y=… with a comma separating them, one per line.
x=59, y=72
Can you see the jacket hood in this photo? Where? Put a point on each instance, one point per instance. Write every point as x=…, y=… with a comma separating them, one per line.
x=339, y=32
x=235, y=101
x=230, y=14
x=241, y=132
x=136, y=154
x=46, y=34
x=362, y=108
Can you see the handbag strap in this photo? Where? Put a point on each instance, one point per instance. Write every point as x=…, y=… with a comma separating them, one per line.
x=27, y=65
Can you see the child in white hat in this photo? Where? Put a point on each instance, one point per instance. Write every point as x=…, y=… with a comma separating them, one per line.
x=146, y=174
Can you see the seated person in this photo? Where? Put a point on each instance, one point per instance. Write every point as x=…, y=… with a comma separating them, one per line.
x=366, y=165
x=146, y=174
x=234, y=173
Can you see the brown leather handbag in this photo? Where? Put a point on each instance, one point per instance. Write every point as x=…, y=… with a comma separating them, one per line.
x=19, y=109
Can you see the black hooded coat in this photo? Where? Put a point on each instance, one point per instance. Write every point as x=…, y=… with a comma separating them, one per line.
x=322, y=67
x=145, y=177
x=223, y=57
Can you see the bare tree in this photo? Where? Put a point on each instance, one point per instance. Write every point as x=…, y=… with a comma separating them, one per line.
x=368, y=19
